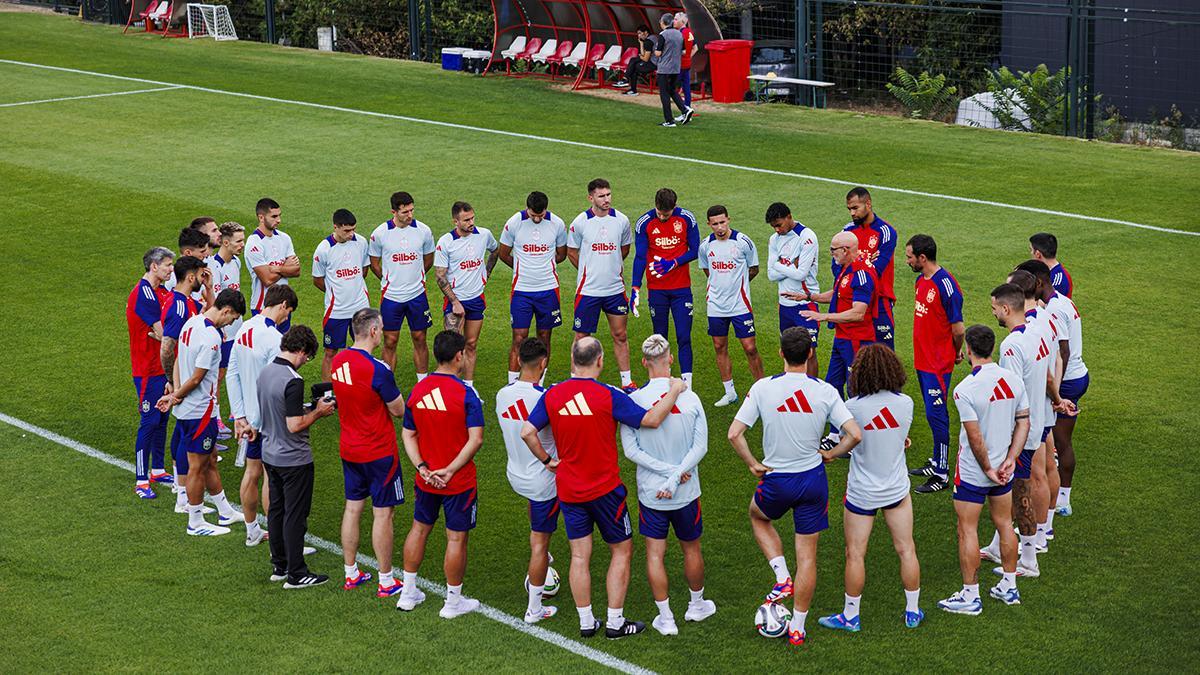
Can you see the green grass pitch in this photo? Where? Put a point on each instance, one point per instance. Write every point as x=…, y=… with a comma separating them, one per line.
x=92, y=579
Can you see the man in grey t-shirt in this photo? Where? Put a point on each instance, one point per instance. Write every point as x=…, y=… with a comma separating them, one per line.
x=669, y=53
x=287, y=455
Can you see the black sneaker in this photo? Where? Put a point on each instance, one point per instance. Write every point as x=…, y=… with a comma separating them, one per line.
x=669, y=125
x=628, y=628
x=306, y=581
x=590, y=632
x=278, y=575
x=687, y=115
x=621, y=83
x=935, y=483
x=926, y=470
x=629, y=93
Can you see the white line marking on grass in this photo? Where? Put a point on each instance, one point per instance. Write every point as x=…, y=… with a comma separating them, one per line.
x=490, y=612
x=77, y=98
x=627, y=151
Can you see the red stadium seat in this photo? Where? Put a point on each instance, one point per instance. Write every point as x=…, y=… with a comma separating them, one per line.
x=556, y=59
x=530, y=49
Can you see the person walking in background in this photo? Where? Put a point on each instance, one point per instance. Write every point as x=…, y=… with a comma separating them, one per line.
x=669, y=53
x=685, y=58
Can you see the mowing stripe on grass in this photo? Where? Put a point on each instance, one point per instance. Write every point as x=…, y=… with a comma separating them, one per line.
x=490, y=612
x=77, y=98
x=628, y=151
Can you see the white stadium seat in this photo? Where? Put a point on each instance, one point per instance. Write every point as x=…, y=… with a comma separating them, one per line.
x=576, y=55
x=610, y=57
x=517, y=46
x=546, y=50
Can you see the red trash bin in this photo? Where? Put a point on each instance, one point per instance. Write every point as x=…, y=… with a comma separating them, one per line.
x=729, y=61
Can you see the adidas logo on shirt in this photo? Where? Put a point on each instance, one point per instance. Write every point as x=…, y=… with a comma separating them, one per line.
x=516, y=411
x=432, y=401
x=797, y=402
x=674, y=409
x=884, y=420
x=577, y=406
x=247, y=339
x=1043, y=350
x=1002, y=391
x=342, y=374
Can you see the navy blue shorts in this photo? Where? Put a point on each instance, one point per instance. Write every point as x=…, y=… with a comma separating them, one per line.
x=254, y=448
x=460, y=508
x=473, y=308
x=1073, y=390
x=685, y=520
x=415, y=311
x=868, y=512
x=588, y=308
x=226, y=350
x=543, y=516
x=790, y=316
x=149, y=390
x=194, y=437
x=544, y=305
x=806, y=493
x=381, y=480
x=281, y=327
x=1046, y=432
x=743, y=325
x=965, y=492
x=1024, y=465
x=607, y=512
x=336, y=332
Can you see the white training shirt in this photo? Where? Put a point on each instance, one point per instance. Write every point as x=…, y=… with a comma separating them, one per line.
x=675, y=447
x=527, y=475
x=255, y=344
x=534, y=250
x=1042, y=321
x=263, y=250
x=878, y=475
x=728, y=263
x=795, y=409
x=792, y=262
x=343, y=265
x=226, y=274
x=199, y=347
x=401, y=252
x=465, y=259
x=599, y=240
x=1026, y=352
x=1066, y=318
x=991, y=396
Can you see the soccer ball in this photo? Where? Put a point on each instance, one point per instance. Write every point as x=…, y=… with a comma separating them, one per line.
x=771, y=619
x=552, y=583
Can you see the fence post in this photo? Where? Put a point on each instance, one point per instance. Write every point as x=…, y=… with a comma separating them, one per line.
x=269, y=11
x=1089, y=93
x=803, y=61
x=414, y=30
x=819, y=49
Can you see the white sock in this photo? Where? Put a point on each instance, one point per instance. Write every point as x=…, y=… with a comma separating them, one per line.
x=995, y=545
x=586, y=619
x=798, y=621
x=421, y=376
x=470, y=383
x=351, y=570
x=453, y=594
x=1050, y=518
x=253, y=529
x=664, y=609
x=410, y=582
x=1040, y=537
x=912, y=600
x=195, y=515
x=971, y=591
x=512, y=376
x=850, y=609
x=387, y=579
x=616, y=617
x=1008, y=581
x=535, y=600
x=729, y=388
x=1028, y=557
x=1064, y=496
x=697, y=596
x=223, y=506
x=626, y=378
x=779, y=566
x=181, y=495
x=687, y=379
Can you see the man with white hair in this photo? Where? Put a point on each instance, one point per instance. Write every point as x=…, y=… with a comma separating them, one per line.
x=685, y=57
x=669, y=485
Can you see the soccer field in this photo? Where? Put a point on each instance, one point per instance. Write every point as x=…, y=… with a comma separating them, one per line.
x=92, y=174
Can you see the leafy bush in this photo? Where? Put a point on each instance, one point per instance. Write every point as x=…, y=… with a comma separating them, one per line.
x=1029, y=101
x=925, y=96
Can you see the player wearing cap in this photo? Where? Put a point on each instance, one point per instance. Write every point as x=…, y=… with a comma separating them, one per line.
x=792, y=263
x=877, y=246
x=443, y=429
x=401, y=252
x=532, y=243
x=340, y=272
x=794, y=408
x=255, y=344
x=582, y=413
x=597, y=243
x=143, y=315
x=367, y=400
x=877, y=481
x=462, y=262
x=937, y=347
x=994, y=410
x=269, y=255
x=529, y=477
x=194, y=404
x=666, y=240
x=730, y=261
x=668, y=481
x=1043, y=246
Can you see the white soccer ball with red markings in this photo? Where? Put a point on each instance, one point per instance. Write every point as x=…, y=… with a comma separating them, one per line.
x=772, y=619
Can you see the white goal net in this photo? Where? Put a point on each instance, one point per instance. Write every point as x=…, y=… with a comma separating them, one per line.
x=210, y=21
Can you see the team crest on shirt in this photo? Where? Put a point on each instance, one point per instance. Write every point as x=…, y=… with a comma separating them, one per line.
x=931, y=296
x=145, y=407
x=537, y=233
x=873, y=241
x=678, y=228
x=207, y=443
x=846, y=280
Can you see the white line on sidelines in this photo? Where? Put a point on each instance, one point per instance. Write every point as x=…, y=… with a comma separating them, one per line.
x=76, y=98
x=490, y=612
x=628, y=151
